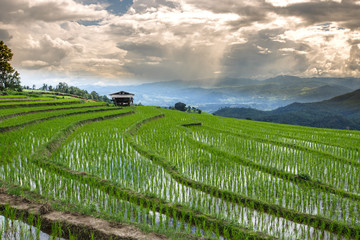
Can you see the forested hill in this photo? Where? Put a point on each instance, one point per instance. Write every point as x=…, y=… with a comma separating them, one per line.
x=341, y=112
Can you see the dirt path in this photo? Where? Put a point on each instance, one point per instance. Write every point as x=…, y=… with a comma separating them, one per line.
x=81, y=225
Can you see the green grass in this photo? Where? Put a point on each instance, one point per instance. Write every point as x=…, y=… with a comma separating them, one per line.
x=28, y=99
x=25, y=119
x=29, y=103
x=10, y=112
x=13, y=96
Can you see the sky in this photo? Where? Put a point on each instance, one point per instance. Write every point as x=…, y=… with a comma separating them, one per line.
x=124, y=42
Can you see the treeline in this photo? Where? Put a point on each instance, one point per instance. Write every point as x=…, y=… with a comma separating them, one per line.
x=182, y=107
x=64, y=88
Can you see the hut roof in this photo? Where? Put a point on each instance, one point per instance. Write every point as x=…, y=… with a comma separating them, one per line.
x=122, y=93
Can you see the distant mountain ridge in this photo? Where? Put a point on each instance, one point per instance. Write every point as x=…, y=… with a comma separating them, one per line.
x=212, y=94
x=341, y=112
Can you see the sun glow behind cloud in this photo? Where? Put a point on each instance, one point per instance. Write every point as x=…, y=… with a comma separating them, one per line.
x=151, y=40
x=283, y=3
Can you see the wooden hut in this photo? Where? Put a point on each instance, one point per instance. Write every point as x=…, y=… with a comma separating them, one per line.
x=122, y=98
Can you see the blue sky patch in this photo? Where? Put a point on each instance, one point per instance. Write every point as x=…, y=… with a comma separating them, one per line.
x=89, y=23
x=117, y=7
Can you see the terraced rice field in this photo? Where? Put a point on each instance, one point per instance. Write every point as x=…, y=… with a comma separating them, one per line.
x=185, y=176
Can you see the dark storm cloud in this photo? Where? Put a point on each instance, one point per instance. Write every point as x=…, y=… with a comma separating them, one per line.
x=262, y=56
x=166, y=61
x=246, y=8
x=354, y=42
x=142, y=49
x=7, y=7
x=250, y=11
x=124, y=29
x=142, y=6
x=4, y=35
x=47, y=52
x=147, y=60
x=346, y=12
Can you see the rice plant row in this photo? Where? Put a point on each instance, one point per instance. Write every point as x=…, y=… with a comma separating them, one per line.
x=42, y=116
x=42, y=103
x=332, y=137
x=13, y=96
x=14, y=112
x=339, y=174
x=342, y=153
x=31, y=99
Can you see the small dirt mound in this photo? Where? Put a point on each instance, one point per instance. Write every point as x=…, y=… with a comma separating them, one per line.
x=45, y=208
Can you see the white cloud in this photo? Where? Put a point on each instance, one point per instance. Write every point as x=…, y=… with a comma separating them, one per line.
x=23, y=11
x=283, y=3
x=286, y=51
x=263, y=50
x=34, y=64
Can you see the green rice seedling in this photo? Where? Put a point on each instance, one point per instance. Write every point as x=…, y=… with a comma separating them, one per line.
x=38, y=227
x=34, y=118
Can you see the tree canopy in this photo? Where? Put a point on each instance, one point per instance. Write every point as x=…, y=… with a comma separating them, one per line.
x=63, y=87
x=9, y=78
x=180, y=106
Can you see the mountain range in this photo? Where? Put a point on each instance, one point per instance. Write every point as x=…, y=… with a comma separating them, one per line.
x=341, y=112
x=213, y=94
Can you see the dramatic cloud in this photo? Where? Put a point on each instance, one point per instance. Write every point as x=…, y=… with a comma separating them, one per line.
x=20, y=11
x=263, y=56
x=345, y=13
x=4, y=35
x=354, y=59
x=115, y=41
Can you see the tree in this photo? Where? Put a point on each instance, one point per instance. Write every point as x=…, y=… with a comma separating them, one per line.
x=94, y=95
x=44, y=87
x=9, y=78
x=62, y=87
x=180, y=106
